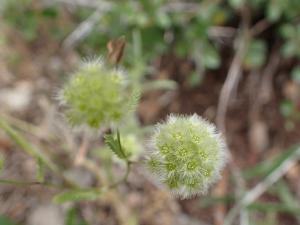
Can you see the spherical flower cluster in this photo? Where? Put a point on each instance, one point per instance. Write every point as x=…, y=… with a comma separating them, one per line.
x=187, y=155
x=95, y=95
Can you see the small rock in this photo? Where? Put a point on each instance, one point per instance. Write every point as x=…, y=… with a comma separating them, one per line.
x=258, y=136
x=46, y=215
x=17, y=98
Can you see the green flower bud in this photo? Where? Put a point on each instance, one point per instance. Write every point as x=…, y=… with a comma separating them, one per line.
x=131, y=146
x=187, y=154
x=96, y=95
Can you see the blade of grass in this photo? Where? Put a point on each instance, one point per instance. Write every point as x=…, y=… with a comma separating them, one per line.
x=273, y=207
x=26, y=146
x=2, y=161
x=267, y=166
x=77, y=195
x=276, y=172
x=288, y=198
x=31, y=150
x=208, y=201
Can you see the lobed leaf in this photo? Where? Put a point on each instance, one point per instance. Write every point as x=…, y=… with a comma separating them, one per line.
x=115, y=145
x=76, y=195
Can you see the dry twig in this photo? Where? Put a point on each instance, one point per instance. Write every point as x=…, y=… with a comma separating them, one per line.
x=84, y=28
x=230, y=84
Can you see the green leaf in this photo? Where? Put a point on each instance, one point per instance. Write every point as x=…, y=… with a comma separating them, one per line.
x=288, y=198
x=236, y=3
x=286, y=108
x=211, y=58
x=137, y=44
x=1, y=162
x=208, y=201
x=134, y=99
x=115, y=145
x=273, y=207
x=162, y=19
x=259, y=206
x=268, y=166
x=274, y=11
x=256, y=54
x=195, y=78
x=76, y=195
x=26, y=146
x=296, y=75
x=73, y=218
x=50, y=13
x=40, y=173
x=5, y=221
x=288, y=49
x=181, y=49
x=287, y=31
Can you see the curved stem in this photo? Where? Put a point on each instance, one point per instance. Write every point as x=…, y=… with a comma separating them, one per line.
x=125, y=177
x=33, y=151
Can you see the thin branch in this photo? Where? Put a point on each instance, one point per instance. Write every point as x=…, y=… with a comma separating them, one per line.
x=231, y=81
x=83, y=149
x=268, y=73
x=83, y=3
x=244, y=217
x=187, y=7
x=85, y=27
x=259, y=27
x=264, y=89
x=222, y=31
x=230, y=84
x=235, y=70
x=225, y=95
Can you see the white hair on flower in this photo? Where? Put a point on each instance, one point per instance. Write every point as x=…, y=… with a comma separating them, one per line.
x=187, y=154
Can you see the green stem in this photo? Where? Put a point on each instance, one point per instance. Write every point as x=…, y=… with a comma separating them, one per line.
x=125, y=177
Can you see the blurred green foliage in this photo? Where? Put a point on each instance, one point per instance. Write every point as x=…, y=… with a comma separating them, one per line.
x=6, y=221
x=29, y=18
x=156, y=27
x=162, y=29
x=1, y=162
x=73, y=217
x=256, y=54
x=76, y=195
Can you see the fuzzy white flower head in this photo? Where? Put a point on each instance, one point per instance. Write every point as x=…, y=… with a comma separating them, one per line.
x=97, y=95
x=187, y=155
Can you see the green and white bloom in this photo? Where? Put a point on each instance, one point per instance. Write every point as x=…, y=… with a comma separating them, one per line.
x=96, y=95
x=187, y=154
